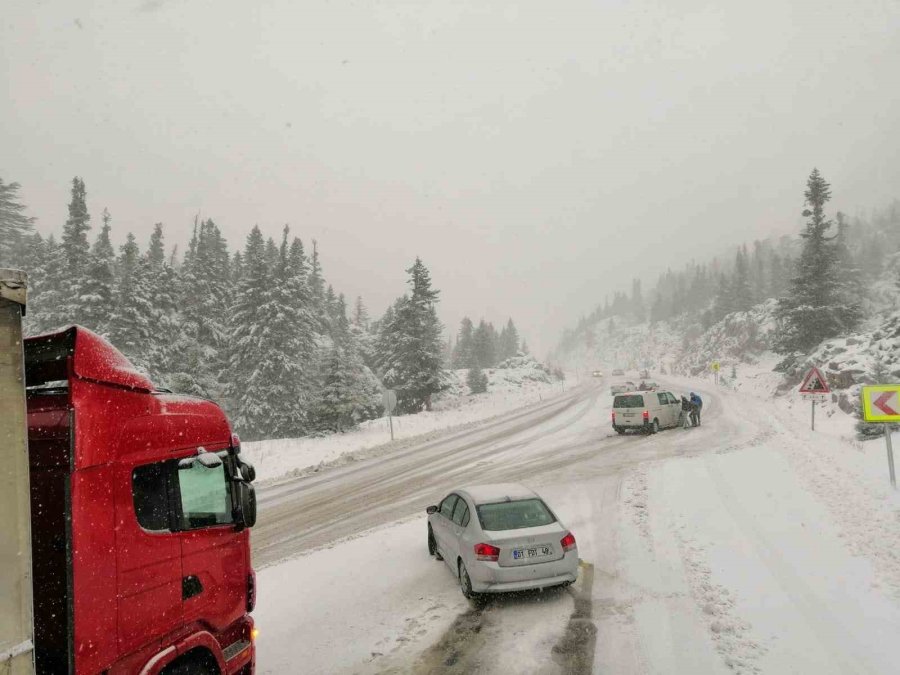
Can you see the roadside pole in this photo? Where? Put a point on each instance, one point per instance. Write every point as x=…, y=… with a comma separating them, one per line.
x=881, y=403
x=890, y=454
x=815, y=387
x=389, y=401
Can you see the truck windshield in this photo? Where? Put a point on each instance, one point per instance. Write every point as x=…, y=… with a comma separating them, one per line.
x=630, y=401
x=514, y=515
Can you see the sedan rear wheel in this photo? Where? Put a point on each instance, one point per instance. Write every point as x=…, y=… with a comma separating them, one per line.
x=465, y=583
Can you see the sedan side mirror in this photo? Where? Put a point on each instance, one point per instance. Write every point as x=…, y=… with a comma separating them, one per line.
x=431, y=509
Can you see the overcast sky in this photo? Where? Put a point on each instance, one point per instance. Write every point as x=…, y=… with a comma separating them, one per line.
x=534, y=154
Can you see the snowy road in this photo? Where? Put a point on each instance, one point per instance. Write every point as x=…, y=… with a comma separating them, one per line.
x=717, y=549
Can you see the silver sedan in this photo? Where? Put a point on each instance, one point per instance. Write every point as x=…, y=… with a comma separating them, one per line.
x=499, y=538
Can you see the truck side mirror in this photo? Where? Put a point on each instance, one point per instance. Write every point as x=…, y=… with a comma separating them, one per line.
x=246, y=516
x=247, y=471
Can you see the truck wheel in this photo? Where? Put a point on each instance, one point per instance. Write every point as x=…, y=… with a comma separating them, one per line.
x=432, y=544
x=201, y=664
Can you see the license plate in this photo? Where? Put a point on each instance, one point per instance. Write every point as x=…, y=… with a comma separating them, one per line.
x=532, y=552
x=627, y=414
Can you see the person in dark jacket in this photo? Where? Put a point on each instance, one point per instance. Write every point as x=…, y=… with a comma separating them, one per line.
x=697, y=407
x=686, y=417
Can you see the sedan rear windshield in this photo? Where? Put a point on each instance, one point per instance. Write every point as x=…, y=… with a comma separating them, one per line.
x=514, y=515
x=630, y=401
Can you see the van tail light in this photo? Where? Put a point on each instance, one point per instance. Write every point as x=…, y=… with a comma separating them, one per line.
x=614, y=416
x=487, y=552
x=646, y=415
x=251, y=591
x=568, y=542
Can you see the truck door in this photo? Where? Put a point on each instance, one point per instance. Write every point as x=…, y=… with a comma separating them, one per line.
x=215, y=567
x=148, y=555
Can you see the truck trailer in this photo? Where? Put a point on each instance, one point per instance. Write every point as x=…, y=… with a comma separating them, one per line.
x=128, y=514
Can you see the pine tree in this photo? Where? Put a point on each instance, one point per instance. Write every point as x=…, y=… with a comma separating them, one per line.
x=97, y=305
x=130, y=322
x=637, y=301
x=464, y=352
x=484, y=345
x=414, y=363
x=816, y=307
x=15, y=226
x=476, y=380
x=741, y=289
x=360, y=314
x=165, y=318
x=74, y=239
x=509, y=341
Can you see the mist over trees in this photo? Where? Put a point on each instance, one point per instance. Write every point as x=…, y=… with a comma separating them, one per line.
x=819, y=280
x=482, y=346
x=258, y=329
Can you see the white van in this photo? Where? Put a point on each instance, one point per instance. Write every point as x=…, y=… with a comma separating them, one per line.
x=646, y=411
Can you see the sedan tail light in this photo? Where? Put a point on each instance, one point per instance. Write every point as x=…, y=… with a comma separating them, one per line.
x=487, y=552
x=568, y=542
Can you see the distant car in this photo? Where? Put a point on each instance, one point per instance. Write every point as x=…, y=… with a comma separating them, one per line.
x=630, y=386
x=618, y=372
x=645, y=374
x=647, y=411
x=597, y=373
x=647, y=385
x=618, y=389
x=499, y=538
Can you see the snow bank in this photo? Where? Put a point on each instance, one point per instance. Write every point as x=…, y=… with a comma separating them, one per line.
x=514, y=384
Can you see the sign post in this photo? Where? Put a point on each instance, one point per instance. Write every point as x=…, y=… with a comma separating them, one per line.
x=389, y=401
x=815, y=388
x=715, y=368
x=881, y=404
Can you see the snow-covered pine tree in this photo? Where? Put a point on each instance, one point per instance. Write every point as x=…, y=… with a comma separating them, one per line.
x=414, y=364
x=316, y=284
x=360, y=314
x=509, y=341
x=816, y=307
x=98, y=293
x=247, y=390
x=476, y=380
x=166, y=324
x=15, y=226
x=463, y=352
x=741, y=287
x=637, y=301
x=130, y=321
x=484, y=344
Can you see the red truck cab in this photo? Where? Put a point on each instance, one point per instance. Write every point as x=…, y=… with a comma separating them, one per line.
x=140, y=513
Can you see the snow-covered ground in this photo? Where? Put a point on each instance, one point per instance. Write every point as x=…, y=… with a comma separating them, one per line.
x=523, y=382
x=749, y=545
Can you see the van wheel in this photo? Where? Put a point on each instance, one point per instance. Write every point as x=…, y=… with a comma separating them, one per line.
x=432, y=544
x=654, y=428
x=620, y=431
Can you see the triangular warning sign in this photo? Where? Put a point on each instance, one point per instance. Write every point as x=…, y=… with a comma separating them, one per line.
x=814, y=383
